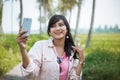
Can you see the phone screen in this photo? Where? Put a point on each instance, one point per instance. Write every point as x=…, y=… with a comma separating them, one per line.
x=27, y=25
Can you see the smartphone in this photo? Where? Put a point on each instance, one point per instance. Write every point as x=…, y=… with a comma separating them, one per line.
x=26, y=26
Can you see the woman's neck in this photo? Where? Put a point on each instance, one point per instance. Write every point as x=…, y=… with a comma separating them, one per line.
x=59, y=43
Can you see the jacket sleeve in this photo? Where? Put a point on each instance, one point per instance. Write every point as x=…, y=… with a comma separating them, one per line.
x=35, y=55
x=72, y=74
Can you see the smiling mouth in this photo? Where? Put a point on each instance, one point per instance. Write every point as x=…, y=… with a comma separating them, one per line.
x=57, y=33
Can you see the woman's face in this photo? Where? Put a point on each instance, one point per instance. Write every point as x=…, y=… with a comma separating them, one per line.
x=58, y=30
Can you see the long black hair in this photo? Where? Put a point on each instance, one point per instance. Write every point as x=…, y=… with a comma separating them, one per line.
x=69, y=43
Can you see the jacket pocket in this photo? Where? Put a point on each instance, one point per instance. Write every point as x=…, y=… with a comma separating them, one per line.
x=46, y=59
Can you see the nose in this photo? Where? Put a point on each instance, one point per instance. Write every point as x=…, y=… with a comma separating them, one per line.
x=57, y=27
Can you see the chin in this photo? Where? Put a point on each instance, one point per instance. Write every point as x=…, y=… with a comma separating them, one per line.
x=59, y=38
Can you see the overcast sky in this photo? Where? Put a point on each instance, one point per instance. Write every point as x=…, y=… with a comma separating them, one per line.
x=106, y=13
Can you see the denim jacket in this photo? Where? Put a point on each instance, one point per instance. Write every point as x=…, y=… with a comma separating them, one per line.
x=43, y=63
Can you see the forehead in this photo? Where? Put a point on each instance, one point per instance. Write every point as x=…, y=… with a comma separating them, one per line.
x=59, y=21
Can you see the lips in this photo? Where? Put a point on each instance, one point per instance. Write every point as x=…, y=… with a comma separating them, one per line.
x=57, y=33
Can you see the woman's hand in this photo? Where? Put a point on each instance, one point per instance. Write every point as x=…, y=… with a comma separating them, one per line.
x=80, y=53
x=21, y=40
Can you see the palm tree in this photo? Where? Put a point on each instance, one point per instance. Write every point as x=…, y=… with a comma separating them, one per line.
x=47, y=6
x=21, y=13
x=1, y=5
x=65, y=5
x=91, y=25
x=78, y=18
x=40, y=18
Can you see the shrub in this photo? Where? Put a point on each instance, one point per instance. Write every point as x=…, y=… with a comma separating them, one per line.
x=101, y=64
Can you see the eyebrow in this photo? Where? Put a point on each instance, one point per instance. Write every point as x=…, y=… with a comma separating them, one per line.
x=61, y=22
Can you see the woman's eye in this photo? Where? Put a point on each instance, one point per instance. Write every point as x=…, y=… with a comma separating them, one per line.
x=53, y=26
x=61, y=25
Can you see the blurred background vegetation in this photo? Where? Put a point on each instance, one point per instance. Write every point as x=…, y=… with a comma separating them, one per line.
x=102, y=46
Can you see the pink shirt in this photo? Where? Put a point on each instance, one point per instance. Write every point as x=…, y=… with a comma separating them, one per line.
x=64, y=67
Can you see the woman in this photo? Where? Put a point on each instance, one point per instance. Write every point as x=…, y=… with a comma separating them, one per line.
x=55, y=58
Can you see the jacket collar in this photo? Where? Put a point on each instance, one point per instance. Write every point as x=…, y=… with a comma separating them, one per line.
x=51, y=45
x=50, y=42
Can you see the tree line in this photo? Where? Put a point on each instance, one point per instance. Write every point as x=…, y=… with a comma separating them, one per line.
x=108, y=29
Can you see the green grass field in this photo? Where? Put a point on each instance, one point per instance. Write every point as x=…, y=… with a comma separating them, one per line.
x=102, y=58
x=101, y=62
x=9, y=53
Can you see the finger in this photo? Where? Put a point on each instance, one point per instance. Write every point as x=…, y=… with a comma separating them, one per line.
x=25, y=37
x=22, y=40
x=74, y=49
x=22, y=33
x=78, y=49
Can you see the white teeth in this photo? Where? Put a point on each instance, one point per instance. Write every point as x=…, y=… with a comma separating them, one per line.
x=58, y=33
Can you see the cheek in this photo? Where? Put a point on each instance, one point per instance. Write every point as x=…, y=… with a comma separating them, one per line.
x=51, y=32
x=66, y=30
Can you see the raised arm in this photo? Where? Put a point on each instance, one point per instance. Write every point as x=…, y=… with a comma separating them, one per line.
x=22, y=40
x=81, y=59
